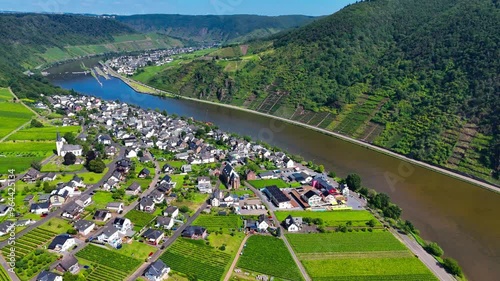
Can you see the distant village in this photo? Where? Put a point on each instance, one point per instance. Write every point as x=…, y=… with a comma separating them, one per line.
x=128, y=65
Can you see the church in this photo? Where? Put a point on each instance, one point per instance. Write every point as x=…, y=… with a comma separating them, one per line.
x=63, y=148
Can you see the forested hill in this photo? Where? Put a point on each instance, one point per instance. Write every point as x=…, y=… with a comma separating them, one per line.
x=214, y=28
x=421, y=78
x=31, y=40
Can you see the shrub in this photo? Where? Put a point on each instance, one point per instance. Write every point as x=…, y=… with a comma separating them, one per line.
x=452, y=266
x=434, y=249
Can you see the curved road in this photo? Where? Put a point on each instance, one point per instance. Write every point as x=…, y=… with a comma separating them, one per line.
x=345, y=138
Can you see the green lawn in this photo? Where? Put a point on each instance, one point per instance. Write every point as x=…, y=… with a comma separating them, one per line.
x=56, y=225
x=140, y=219
x=136, y=250
x=257, y=256
x=333, y=218
x=259, y=184
x=102, y=198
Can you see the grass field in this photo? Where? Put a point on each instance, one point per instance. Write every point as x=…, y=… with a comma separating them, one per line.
x=13, y=116
x=136, y=250
x=197, y=259
x=359, y=256
x=139, y=219
x=108, y=258
x=379, y=269
x=102, y=198
x=19, y=155
x=5, y=95
x=333, y=218
x=44, y=133
x=215, y=223
x=259, y=184
x=345, y=242
x=257, y=256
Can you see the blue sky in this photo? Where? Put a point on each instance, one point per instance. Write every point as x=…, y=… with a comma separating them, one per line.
x=186, y=7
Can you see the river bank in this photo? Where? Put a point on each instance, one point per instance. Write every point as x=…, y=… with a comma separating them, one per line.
x=441, y=170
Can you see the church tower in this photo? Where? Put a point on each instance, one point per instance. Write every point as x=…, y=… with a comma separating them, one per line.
x=59, y=144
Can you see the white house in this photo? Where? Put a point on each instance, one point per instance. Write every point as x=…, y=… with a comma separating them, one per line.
x=62, y=243
x=292, y=224
x=110, y=235
x=312, y=198
x=157, y=271
x=164, y=222
x=84, y=227
x=116, y=207
x=122, y=224
x=171, y=211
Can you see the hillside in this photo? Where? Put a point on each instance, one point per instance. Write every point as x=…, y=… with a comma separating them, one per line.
x=417, y=77
x=31, y=40
x=214, y=28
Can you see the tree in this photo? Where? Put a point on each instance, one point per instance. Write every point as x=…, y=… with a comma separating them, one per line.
x=69, y=159
x=434, y=249
x=37, y=165
x=371, y=223
x=36, y=124
x=393, y=212
x=321, y=168
x=353, y=181
x=381, y=200
x=332, y=174
x=96, y=166
x=184, y=209
x=70, y=138
x=452, y=267
x=91, y=155
x=140, y=153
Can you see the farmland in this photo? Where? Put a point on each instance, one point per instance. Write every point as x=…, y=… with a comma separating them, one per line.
x=259, y=184
x=210, y=263
x=29, y=259
x=19, y=155
x=279, y=264
x=139, y=219
x=43, y=133
x=344, y=242
x=13, y=116
x=29, y=242
x=5, y=95
x=376, y=255
x=394, y=269
x=214, y=223
x=333, y=218
x=108, y=258
x=3, y=274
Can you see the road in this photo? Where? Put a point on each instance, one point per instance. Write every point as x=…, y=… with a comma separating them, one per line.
x=425, y=257
x=59, y=211
x=283, y=237
x=235, y=261
x=165, y=245
x=338, y=135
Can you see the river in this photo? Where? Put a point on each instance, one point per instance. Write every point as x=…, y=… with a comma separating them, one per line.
x=462, y=218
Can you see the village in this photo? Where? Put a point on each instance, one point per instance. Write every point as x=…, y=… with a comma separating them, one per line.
x=129, y=64
x=150, y=159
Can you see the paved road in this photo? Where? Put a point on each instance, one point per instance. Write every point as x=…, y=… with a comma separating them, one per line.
x=165, y=245
x=235, y=261
x=59, y=211
x=278, y=224
x=340, y=136
x=425, y=257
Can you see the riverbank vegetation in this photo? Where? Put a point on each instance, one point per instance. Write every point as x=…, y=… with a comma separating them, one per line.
x=426, y=91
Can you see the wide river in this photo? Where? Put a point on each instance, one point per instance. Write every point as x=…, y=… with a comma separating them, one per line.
x=464, y=219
